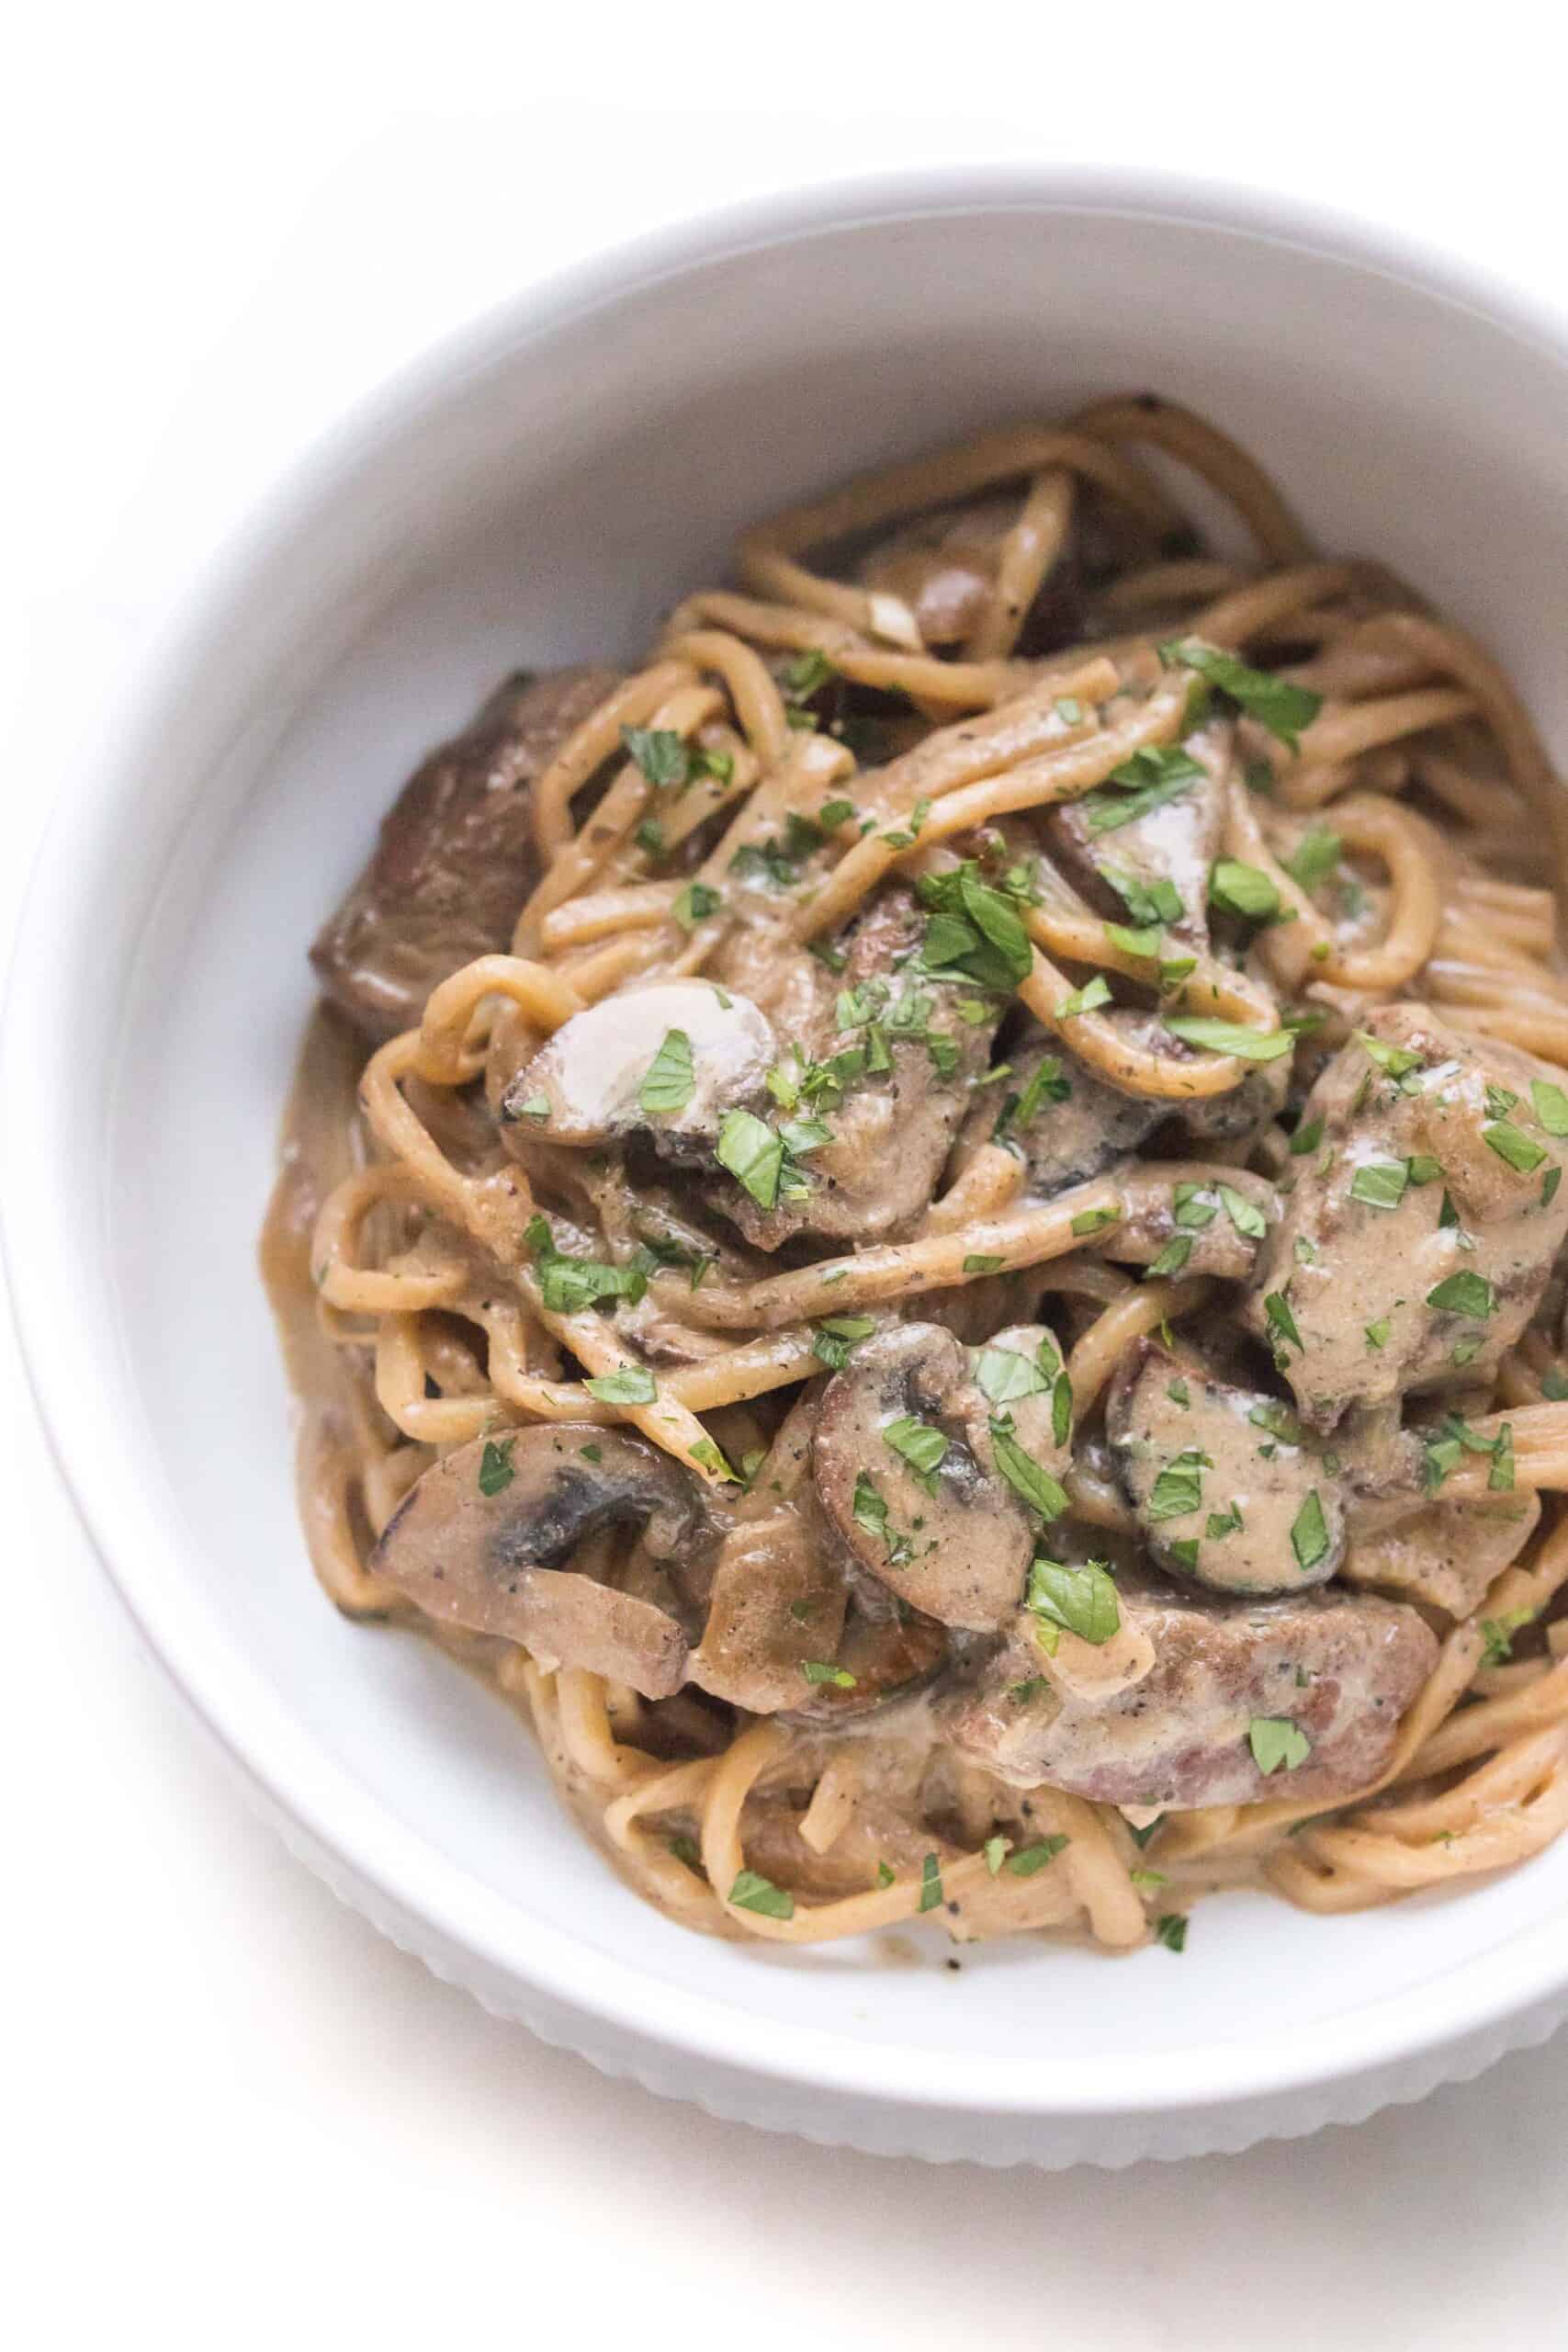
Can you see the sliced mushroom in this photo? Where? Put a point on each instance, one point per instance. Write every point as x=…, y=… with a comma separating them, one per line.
x=1223, y=1485
x=596, y=1080
x=480, y=1539
x=906, y=1470
x=1175, y=843
x=777, y=1610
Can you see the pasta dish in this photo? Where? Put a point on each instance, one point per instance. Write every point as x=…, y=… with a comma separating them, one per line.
x=930, y=1226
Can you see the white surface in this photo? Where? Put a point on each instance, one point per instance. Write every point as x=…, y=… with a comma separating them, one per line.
x=512, y=499
x=251, y=2096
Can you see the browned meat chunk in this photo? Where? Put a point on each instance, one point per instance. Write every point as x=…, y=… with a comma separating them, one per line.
x=479, y=1541
x=921, y=1463
x=906, y=1084
x=1065, y=1123
x=1127, y=849
x=1423, y=1223
x=1187, y=1219
x=456, y=858
x=1447, y=1555
x=943, y=565
x=1222, y=1497
x=1299, y=1699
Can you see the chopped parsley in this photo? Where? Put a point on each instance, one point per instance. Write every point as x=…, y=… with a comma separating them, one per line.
x=660, y=753
x=1284, y=708
x=817, y=1670
x=1081, y=1600
x=631, y=1384
x=1315, y=858
x=569, y=1284
x=930, y=1884
x=1088, y=999
x=1030, y=1859
x=753, y=1155
x=1465, y=1293
x=695, y=903
x=1248, y=1221
x=1381, y=1183
x=835, y=1338
x=496, y=1472
x=1179, y=1486
x=1276, y=1307
x=1551, y=1107
x=917, y=1444
x=1026, y=1476
x=1170, y=1930
x=751, y=1892
x=1510, y=1142
x=1309, y=1533
x=668, y=1084
x=1244, y=890
x=1230, y=1037
x=1145, y=781
x=1278, y=1745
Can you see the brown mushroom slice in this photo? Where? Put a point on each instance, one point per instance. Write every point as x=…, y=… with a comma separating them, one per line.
x=478, y=1541
x=670, y=1058
x=777, y=1610
x=907, y=1473
x=1222, y=1493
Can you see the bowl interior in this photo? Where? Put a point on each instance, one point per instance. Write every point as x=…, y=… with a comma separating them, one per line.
x=545, y=499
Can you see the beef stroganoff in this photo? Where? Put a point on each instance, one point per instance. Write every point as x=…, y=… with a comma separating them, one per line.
x=930, y=1226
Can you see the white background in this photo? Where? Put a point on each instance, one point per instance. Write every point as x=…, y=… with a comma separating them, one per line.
x=235, y=2115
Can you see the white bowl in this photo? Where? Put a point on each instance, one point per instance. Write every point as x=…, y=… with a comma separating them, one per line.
x=538, y=490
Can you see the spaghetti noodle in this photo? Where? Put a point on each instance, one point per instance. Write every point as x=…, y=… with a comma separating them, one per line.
x=964, y=1305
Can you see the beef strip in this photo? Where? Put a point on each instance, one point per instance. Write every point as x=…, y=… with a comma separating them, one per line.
x=1341, y=1670
x=1429, y=1280
x=456, y=858
x=1446, y=1555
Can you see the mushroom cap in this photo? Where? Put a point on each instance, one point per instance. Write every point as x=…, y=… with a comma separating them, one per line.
x=956, y=1541
x=592, y=1071
x=478, y=1541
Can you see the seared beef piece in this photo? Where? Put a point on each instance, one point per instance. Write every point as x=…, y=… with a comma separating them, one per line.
x=456, y=858
x=1340, y=1671
x=1423, y=1223
x=1447, y=1555
x=1223, y=1497
x=1068, y=1125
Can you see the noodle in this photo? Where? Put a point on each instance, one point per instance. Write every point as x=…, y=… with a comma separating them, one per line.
x=925, y=680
